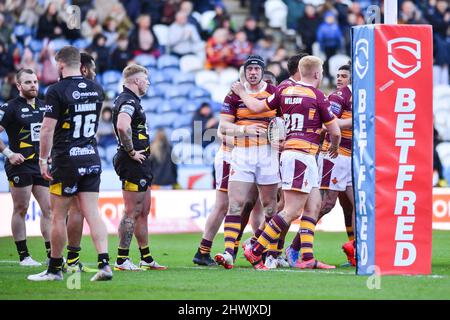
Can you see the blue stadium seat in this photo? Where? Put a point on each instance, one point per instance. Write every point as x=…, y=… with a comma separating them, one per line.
x=151, y=104
x=36, y=45
x=111, y=77
x=164, y=107
x=179, y=135
x=183, y=120
x=152, y=92
x=216, y=106
x=182, y=77
x=189, y=107
x=166, y=61
x=168, y=131
x=185, y=88
x=145, y=60
x=169, y=118
x=81, y=43
x=154, y=120
x=159, y=77
x=199, y=93
x=171, y=72
x=163, y=87
x=58, y=44
x=177, y=103
x=175, y=92
x=22, y=31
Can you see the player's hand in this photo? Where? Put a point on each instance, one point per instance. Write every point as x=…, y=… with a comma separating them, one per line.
x=333, y=151
x=257, y=129
x=44, y=171
x=237, y=87
x=16, y=159
x=137, y=155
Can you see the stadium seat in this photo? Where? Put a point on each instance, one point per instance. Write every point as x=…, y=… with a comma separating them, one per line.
x=36, y=45
x=210, y=152
x=180, y=135
x=171, y=72
x=206, y=19
x=81, y=43
x=199, y=93
x=111, y=77
x=206, y=76
x=185, y=88
x=184, y=120
x=175, y=92
x=177, y=103
x=166, y=61
x=162, y=34
x=58, y=44
x=219, y=93
x=186, y=153
x=189, y=107
x=153, y=92
x=164, y=107
x=228, y=76
x=22, y=31
x=159, y=77
x=151, y=104
x=276, y=12
x=183, y=77
x=216, y=106
x=317, y=52
x=169, y=118
x=163, y=87
x=145, y=60
x=337, y=61
x=168, y=131
x=190, y=63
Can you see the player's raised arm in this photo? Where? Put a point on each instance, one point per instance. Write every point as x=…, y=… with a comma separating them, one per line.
x=229, y=129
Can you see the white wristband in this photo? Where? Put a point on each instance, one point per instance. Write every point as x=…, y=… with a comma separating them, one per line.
x=242, y=129
x=7, y=152
x=43, y=161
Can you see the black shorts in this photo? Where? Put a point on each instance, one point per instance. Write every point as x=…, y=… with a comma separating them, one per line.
x=24, y=175
x=67, y=183
x=135, y=176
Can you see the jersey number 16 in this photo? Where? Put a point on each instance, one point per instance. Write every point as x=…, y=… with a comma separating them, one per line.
x=88, y=125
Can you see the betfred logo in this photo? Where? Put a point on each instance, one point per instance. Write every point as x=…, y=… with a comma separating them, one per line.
x=404, y=56
x=361, y=57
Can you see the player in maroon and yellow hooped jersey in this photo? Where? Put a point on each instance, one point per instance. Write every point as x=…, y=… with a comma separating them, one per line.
x=253, y=161
x=305, y=109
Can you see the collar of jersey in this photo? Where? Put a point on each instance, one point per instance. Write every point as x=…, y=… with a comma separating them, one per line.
x=131, y=92
x=23, y=100
x=80, y=77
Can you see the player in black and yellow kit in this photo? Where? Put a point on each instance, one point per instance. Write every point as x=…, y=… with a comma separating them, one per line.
x=70, y=123
x=22, y=118
x=132, y=165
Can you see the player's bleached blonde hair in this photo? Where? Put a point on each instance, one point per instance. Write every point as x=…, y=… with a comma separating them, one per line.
x=308, y=65
x=133, y=69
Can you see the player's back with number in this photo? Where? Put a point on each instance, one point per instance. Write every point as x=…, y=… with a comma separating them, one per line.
x=75, y=102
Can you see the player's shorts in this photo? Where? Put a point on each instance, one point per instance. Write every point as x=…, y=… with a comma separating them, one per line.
x=24, y=175
x=66, y=184
x=298, y=171
x=135, y=176
x=334, y=174
x=222, y=169
x=255, y=164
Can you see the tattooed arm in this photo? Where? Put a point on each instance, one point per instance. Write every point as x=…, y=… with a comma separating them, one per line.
x=126, y=137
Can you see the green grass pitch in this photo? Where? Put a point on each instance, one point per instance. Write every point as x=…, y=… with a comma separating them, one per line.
x=186, y=281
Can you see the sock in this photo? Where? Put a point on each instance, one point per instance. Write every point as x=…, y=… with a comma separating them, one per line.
x=232, y=228
x=271, y=234
x=205, y=246
x=259, y=231
x=350, y=234
x=280, y=245
x=307, y=227
x=103, y=260
x=146, y=255
x=237, y=242
x=122, y=255
x=22, y=249
x=55, y=265
x=73, y=255
x=296, y=242
x=47, y=248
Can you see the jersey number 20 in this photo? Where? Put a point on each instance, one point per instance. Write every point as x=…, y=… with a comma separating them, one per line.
x=88, y=125
x=294, y=121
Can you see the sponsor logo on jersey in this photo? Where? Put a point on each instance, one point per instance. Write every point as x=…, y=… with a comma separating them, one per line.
x=81, y=171
x=25, y=110
x=335, y=107
x=77, y=151
x=82, y=85
x=69, y=190
x=2, y=113
x=16, y=179
x=142, y=182
x=77, y=95
x=26, y=116
x=48, y=108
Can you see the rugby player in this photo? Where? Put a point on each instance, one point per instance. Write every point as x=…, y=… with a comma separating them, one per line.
x=132, y=165
x=305, y=109
x=253, y=161
x=75, y=219
x=22, y=119
x=68, y=130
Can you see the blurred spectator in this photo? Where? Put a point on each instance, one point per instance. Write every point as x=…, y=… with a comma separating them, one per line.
x=164, y=170
x=188, y=7
x=31, y=13
x=50, y=25
x=252, y=30
x=5, y=31
x=183, y=37
x=330, y=38
x=154, y=8
x=143, y=39
x=221, y=20
x=27, y=62
x=219, y=53
x=241, y=49
x=278, y=71
x=124, y=24
x=255, y=7
x=8, y=89
x=204, y=120
x=295, y=12
x=121, y=55
x=110, y=31
x=6, y=63
x=437, y=164
x=266, y=47
x=308, y=26
x=280, y=55
x=105, y=131
x=50, y=72
x=90, y=27
x=100, y=52
x=169, y=11
x=132, y=7
x=205, y=5
x=409, y=14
